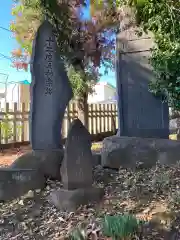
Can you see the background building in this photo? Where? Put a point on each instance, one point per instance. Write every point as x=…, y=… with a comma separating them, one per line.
x=103, y=92
x=20, y=92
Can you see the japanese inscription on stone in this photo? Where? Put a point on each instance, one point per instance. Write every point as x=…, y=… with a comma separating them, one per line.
x=50, y=90
x=141, y=114
x=48, y=71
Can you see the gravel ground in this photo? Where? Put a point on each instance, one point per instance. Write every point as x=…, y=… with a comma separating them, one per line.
x=152, y=195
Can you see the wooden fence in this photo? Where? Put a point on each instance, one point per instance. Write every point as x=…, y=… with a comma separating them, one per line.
x=14, y=120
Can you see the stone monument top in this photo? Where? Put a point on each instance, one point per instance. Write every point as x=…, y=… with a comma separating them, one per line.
x=50, y=90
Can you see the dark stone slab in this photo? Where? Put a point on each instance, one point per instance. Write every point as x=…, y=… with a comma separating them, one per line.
x=50, y=91
x=16, y=182
x=96, y=158
x=128, y=151
x=70, y=200
x=76, y=169
x=141, y=114
x=48, y=162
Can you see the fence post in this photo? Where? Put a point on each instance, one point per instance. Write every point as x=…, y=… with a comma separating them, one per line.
x=23, y=107
x=14, y=122
x=101, y=118
x=6, y=121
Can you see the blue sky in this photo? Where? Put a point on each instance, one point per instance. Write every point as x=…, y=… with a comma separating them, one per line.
x=8, y=43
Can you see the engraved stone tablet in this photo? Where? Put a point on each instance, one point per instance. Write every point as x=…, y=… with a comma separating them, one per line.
x=141, y=114
x=50, y=91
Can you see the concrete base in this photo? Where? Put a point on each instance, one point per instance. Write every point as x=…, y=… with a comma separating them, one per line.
x=16, y=182
x=96, y=159
x=48, y=162
x=127, y=151
x=70, y=200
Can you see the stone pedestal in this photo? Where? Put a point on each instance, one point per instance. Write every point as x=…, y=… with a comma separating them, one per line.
x=17, y=182
x=70, y=200
x=48, y=162
x=128, y=151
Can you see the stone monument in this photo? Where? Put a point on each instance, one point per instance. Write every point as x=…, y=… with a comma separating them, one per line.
x=76, y=171
x=77, y=154
x=50, y=91
x=141, y=114
x=143, y=118
x=50, y=95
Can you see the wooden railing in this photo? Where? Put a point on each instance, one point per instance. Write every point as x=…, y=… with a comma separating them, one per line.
x=14, y=120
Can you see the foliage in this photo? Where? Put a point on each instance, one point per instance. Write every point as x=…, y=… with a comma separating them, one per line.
x=82, y=82
x=162, y=19
x=27, y=20
x=112, y=226
x=120, y=226
x=87, y=41
x=77, y=234
x=81, y=42
x=7, y=128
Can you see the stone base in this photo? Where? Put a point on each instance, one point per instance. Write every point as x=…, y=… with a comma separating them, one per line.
x=96, y=159
x=70, y=200
x=127, y=151
x=48, y=162
x=16, y=182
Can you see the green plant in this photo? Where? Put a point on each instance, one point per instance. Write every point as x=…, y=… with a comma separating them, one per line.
x=7, y=128
x=120, y=226
x=162, y=19
x=78, y=234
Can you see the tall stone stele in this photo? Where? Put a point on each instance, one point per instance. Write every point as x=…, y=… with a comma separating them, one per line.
x=50, y=91
x=141, y=114
x=143, y=118
x=50, y=95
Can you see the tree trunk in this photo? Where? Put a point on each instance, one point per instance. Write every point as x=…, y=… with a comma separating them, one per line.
x=83, y=109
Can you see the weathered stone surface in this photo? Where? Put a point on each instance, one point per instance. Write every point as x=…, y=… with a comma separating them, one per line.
x=48, y=162
x=127, y=151
x=141, y=114
x=76, y=169
x=96, y=158
x=50, y=91
x=17, y=182
x=70, y=200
